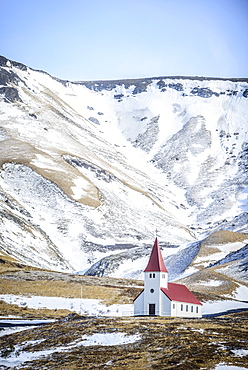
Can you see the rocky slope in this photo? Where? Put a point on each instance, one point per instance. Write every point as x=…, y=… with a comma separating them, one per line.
x=89, y=170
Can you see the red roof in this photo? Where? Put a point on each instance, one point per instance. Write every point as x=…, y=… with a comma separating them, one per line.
x=156, y=262
x=180, y=293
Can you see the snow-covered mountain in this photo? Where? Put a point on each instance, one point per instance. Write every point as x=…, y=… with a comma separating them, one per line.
x=90, y=170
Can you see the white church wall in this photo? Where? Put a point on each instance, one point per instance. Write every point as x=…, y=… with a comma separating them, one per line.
x=139, y=305
x=182, y=309
x=165, y=305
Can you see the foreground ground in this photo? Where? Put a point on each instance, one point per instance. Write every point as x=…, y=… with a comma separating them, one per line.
x=79, y=342
x=125, y=343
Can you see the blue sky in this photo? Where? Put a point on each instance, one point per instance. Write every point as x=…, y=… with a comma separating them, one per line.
x=106, y=39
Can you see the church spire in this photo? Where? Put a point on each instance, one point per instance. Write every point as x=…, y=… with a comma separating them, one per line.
x=156, y=262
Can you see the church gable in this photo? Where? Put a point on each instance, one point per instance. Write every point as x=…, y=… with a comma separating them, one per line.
x=139, y=295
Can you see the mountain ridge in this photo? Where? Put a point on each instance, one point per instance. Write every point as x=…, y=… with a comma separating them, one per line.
x=4, y=60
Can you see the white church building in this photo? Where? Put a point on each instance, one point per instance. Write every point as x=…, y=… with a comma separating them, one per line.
x=160, y=298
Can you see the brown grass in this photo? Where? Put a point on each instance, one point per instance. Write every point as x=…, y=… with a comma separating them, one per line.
x=30, y=313
x=13, y=150
x=224, y=237
x=182, y=344
x=109, y=295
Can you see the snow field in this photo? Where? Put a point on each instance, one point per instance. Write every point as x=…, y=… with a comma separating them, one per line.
x=91, y=307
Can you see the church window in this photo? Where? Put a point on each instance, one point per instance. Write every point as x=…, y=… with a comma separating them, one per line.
x=163, y=276
x=150, y=275
x=196, y=309
x=187, y=307
x=181, y=307
x=174, y=306
x=192, y=308
x=153, y=275
x=152, y=290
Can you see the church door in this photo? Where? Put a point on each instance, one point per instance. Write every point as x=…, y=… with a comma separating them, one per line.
x=152, y=309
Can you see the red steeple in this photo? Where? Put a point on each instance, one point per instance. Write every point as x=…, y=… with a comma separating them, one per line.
x=156, y=262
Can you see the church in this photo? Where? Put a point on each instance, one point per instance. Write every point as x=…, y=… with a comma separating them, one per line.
x=160, y=298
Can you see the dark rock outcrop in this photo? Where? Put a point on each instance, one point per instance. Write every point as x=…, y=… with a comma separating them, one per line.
x=7, y=77
x=10, y=94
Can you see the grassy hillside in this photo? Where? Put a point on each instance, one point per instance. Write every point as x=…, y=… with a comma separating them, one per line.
x=18, y=279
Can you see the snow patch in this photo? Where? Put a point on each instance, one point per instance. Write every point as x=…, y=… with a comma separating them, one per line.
x=241, y=293
x=20, y=356
x=211, y=283
x=240, y=352
x=223, y=366
x=109, y=339
x=222, y=306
